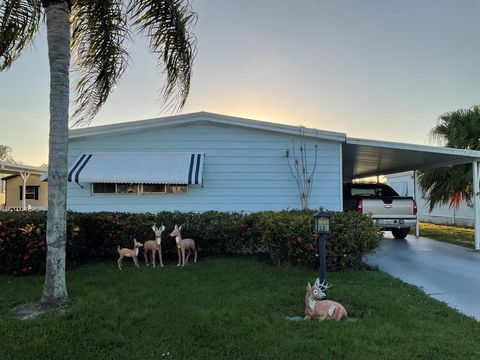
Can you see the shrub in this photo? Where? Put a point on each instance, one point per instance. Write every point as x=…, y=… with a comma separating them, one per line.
x=288, y=236
x=22, y=248
x=284, y=236
x=353, y=236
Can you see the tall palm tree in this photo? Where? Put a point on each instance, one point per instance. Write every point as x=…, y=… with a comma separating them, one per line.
x=452, y=184
x=96, y=33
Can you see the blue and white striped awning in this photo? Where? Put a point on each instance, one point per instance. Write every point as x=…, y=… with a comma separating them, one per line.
x=138, y=168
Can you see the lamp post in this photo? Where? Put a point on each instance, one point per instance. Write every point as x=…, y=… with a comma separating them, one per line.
x=321, y=229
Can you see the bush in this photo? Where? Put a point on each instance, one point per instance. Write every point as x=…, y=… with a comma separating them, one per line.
x=22, y=248
x=288, y=236
x=284, y=236
x=353, y=236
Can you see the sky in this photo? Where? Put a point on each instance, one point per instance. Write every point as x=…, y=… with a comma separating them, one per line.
x=376, y=69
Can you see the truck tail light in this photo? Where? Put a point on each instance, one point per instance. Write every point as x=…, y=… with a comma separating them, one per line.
x=359, y=206
x=414, y=208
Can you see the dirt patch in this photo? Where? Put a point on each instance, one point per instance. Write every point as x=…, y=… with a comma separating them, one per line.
x=34, y=311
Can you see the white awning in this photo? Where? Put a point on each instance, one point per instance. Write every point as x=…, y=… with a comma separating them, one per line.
x=138, y=168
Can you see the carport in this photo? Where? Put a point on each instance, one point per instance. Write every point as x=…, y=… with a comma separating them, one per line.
x=363, y=158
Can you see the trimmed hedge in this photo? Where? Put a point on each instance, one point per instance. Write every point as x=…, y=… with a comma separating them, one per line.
x=284, y=236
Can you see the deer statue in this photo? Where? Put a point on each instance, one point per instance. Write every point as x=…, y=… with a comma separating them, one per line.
x=154, y=246
x=130, y=253
x=319, y=309
x=182, y=245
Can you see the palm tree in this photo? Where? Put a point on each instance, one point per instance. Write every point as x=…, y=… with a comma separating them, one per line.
x=452, y=184
x=100, y=30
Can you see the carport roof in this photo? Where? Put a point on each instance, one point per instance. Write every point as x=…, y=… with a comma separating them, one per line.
x=363, y=157
x=14, y=168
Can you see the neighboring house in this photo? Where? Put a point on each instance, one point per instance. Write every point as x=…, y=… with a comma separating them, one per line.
x=36, y=192
x=404, y=184
x=23, y=179
x=203, y=161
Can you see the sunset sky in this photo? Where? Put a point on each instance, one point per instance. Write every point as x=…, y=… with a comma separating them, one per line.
x=376, y=69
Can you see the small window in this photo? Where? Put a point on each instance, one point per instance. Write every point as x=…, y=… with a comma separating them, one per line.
x=103, y=188
x=177, y=189
x=31, y=192
x=374, y=190
x=127, y=188
x=147, y=189
x=363, y=192
x=153, y=188
x=401, y=187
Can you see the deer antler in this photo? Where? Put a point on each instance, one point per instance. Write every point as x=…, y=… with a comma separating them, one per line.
x=321, y=286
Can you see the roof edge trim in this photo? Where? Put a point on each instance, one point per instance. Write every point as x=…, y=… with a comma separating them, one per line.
x=176, y=120
x=474, y=154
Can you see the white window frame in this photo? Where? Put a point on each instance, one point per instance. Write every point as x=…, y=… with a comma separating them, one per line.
x=140, y=191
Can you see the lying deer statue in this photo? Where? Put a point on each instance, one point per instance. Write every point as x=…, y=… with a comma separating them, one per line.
x=133, y=253
x=316, y=308
x=154, y=246
x=182, y=245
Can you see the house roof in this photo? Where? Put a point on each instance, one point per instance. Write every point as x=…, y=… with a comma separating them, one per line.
x=205, y=118
x=360, y=158
x=9, y=177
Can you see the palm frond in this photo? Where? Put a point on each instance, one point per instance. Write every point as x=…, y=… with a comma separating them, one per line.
x=450, y=185
x=166, y=23
x=99, y=32
x=19, y=20
x=447, y=185
x=458, y=129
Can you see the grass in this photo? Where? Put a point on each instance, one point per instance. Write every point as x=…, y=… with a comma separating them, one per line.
x=231, y=308
x=463, y=236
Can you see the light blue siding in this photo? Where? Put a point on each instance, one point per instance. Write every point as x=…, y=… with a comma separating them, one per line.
x=244, y=169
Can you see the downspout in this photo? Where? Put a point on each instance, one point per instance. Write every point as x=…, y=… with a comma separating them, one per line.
x=341, y=175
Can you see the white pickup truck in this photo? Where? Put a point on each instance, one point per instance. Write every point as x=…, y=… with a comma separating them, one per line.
x=389, y=210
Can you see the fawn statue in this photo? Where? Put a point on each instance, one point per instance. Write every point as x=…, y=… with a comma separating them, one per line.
x=154, y=246
x=183, y=245
x=130, y=253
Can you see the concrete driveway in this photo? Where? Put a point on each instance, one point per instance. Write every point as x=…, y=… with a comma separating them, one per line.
x=446, y=272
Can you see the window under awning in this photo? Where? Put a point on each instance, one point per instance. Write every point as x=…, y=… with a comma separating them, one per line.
x=144, y=168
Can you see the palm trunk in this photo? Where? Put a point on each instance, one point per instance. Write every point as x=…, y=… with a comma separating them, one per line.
x=58, y=32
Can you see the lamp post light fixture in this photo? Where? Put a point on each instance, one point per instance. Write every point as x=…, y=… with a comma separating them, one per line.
x=321, y=222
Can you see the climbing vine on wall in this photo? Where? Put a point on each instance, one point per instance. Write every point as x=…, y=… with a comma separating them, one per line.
x=299, y=166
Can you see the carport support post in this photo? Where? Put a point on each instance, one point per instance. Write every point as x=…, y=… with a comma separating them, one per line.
x=25, y=176
x=476, y=204
x=415, y=192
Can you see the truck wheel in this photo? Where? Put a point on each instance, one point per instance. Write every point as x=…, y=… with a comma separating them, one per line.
x=400, y=233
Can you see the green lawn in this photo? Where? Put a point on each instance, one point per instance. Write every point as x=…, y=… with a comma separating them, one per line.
x=463, y=236
x=231, y=308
